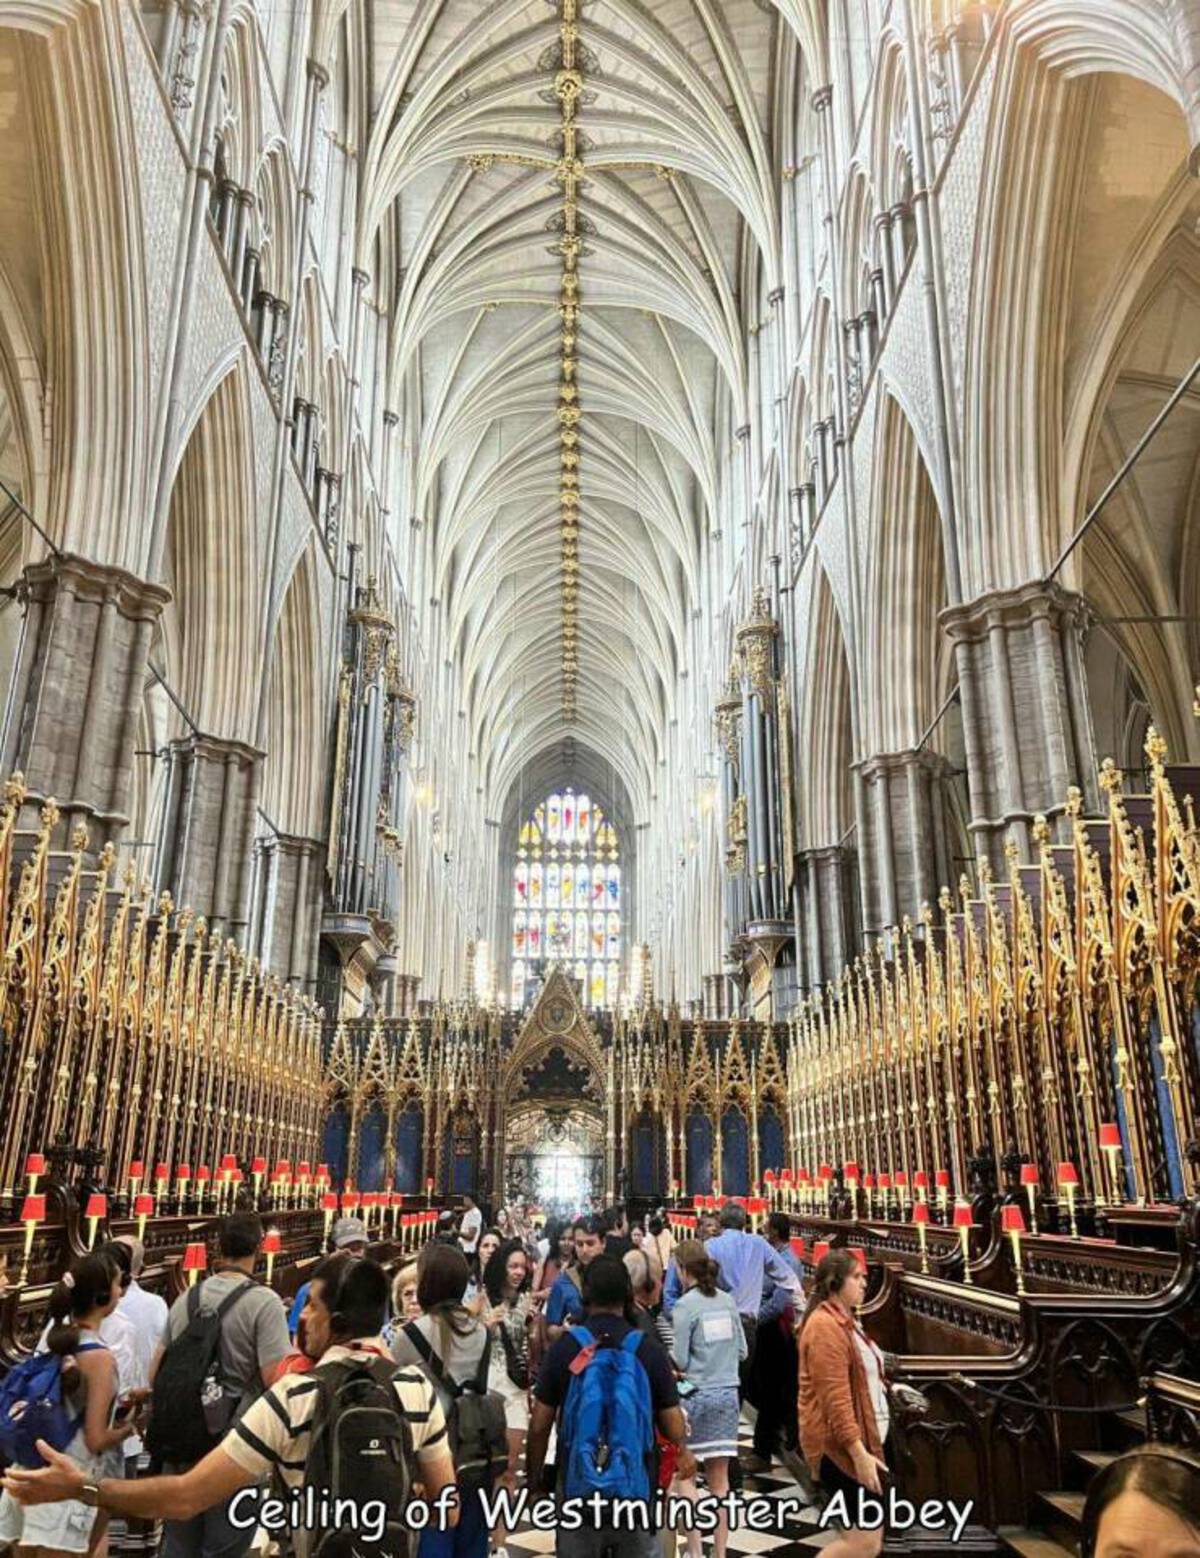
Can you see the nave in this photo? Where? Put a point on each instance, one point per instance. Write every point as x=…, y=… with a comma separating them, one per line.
x=598, y=608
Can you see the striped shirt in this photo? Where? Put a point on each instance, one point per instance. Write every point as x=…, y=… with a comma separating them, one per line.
x=274, y=1433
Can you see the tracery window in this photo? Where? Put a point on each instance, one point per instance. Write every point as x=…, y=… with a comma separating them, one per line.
x=567, y=897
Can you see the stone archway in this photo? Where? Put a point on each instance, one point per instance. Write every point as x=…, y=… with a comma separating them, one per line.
x=554, y=1137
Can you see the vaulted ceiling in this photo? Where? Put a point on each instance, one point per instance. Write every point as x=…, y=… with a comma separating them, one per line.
x=568, y=341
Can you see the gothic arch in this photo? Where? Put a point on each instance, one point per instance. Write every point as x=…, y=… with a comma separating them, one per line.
x=213, y=565
x=825, y=806
x=294, y=770
x=70, y=248
x=908, y=666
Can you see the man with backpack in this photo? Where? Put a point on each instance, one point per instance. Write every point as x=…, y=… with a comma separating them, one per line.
x=221, y=1344
x=609, y=1386
x=355, y=1428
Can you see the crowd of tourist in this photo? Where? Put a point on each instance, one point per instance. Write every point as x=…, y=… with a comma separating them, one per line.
x=421, y=1395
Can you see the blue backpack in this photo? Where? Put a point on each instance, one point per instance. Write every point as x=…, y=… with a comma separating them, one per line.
x=33, y=1406
x=608, y=1426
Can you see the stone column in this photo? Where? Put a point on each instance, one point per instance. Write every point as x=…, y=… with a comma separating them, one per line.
x=826, y=880
x=1027, y=723
x=906, y=854
x=289, y=897
x=205, y=851
x=75, y=700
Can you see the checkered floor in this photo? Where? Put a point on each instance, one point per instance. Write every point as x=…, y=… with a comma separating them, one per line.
x=795, y=1537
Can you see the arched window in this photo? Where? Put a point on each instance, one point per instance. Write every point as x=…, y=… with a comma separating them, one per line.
x=567, y=898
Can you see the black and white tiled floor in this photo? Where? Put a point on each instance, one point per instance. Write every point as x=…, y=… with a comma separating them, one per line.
x=796, y=1536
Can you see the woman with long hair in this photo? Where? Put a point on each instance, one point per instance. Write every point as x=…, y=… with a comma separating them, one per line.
x=446, y=1341
x=86, y=1296
x=709, y=1344
x=475, y=1298
x=843, y=1399
x=1146, y=1502
x=507, y=1283
x=661, y=1237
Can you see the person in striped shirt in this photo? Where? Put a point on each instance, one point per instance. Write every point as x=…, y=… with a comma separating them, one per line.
x=347, y=1303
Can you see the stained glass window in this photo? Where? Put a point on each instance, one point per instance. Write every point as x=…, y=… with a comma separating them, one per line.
x=567, y=904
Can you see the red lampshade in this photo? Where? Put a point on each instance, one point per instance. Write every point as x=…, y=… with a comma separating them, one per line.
x=820, y=1250
x=798, y=1248
x=850, y=1170
x=1012, y=1219
x=195, y=1258
x=1029, y=1174
x=1110, y=1136
x=901, y=1180
x=329, y=1201
x=228, y=1163
x=962, y=1215
x=272, y=1243
x=162, y=1171
x=1068, y=1174
x=203, y=1174
x=920, y=1180
x=860, y=1255
x=351, y=1201
x=284, y=1166
x=786, y=1177
x=322, y=1170
x=237, y=1176
x=258, y=1166
x=137, y=1169
x=805, y=1177
x=721, y=1200
x=868, y=1181
x=885, y=1182
x=35, y=1163
x=33, y=1209
x=769, y=1176
x=302, y=1168
x=143, y=1205
x=825, y=1173
x=184, y=1171
x=920, y=1213
x=97, y=1206
x=941, y=1178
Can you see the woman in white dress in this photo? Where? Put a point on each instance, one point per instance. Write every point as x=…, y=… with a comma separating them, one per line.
x=508, y=1283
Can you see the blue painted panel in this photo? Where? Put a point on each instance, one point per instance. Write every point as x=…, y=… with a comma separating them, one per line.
x=735, y=1154
x=372, y=1146
x=770, y=1141
x=1166, y=1115
x=699, y=1155
x=409, y=1128
x=645, y=1179
x=337, y=1131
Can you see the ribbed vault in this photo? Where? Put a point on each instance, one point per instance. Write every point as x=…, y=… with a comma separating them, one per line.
x=483, y=241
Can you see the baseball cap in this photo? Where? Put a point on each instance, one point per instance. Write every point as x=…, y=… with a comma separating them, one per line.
x=349, y=1230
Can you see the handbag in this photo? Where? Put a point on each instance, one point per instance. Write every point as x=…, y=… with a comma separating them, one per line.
x=906, y=1401
x=516, y=1359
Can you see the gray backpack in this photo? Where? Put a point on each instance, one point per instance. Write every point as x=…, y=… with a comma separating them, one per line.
x=474, y=1415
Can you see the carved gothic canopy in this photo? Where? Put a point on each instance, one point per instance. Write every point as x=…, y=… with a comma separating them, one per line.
x=555, y=1075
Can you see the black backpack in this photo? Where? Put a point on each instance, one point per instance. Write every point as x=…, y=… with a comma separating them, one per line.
x=193, y=1405
x=474, y=1415
x=361, y=1450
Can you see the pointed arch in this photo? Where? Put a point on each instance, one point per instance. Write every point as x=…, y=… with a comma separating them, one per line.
x=214, y=564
